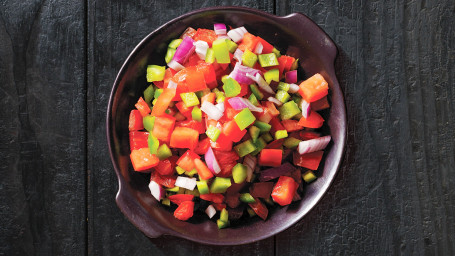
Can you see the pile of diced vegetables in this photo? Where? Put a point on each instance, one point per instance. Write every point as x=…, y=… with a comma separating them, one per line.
x=227, y=125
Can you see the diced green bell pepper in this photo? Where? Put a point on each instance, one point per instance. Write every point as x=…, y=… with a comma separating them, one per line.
x=264, y=127
x=309, y=176
x=210, y=56
x=224, y=215
x=166, y=201
x=231, y=87
x=282, y=96
x=153, y=144
x=260, y=145
x=202, y=187
x=163, y=152
x=283, y=86
x=231, y=45
x=221, y=224
x=179, y=170
x=291, y=142
x=254, y=100
x=190, y=99
x=269, y=201
x=158, y=93
x=244, y=148
x=155, y=73
x=221, y=51
x=220, y=97
x=295, y=65
x=251, y=212
x=213, y=133
x=281, y=134
x=149, y=93
x=191, y=173
x=277, y=52
x=255, y=90
x=296, y=98
x=268, y=60
x=169, y=54
x=175, y=43
x=249, y=58
x=174, y=189
x=247, y=198
x=220, y=185
x=272, y=75
x=289, y=110
x=149, y=122
x=254, y=132
x=239, y=173
x=196, y=114
x=244, y=118
x=267, y=137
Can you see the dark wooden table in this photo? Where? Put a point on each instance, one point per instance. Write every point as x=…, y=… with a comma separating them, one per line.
x=395, y=193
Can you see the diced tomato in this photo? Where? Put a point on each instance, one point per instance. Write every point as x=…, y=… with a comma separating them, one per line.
x=266, y=47
x=202, y=146
x=195, y=80
x=245, y=89
x=271, y=108
x=276, y=125
x=210, y=97
x=180, y=198
x=186, y=161
x=261, y=189
x=291, y=125
x=209, y=74
x=270, y=157
x=163, y=101
x=307, y=135
x=206, y=35
x=264, y=116
x=320, y=104
x=142, y=160
x=229, y=112
x=165, y=167
x=193, y=124
x=249, y=42
x=138, y=140
x=314, y=120
x=285, y=64
x=167, y=181
x=284, y=190
x=223, y=143
x=192, y=60
x=142, y=106
x=314, y=88
x=260, y=209
x=276, y=144
x=202, y=169
x=135, y=121
x=227, y=160
x=215, y=198
x=232, y=131
x=309, y=160
x=184, y=211
x=184, y=110
x=163, y=127
x=184, y=137
x=168, y=74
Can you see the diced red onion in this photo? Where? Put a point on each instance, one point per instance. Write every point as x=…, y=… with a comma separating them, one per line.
x=201, y=49
x=211, y=110
x=185, y=182
x=259, y=48
x=220, y=106
x=185, y=49
x=308, y=146
x=156, y=190
x=222, y=37
x=211, y=161
x=291, y=77
x=239, y=103
x=237, y=34
x=172, y=85
x=238, y=55
x=210, y=211
x=261, y=83
x=293, y=88
x=276, y=172
x=175, y=65
x=306, y=108
x=243, y=74
x=275, y=101
x=250, y=162
x=220, y=28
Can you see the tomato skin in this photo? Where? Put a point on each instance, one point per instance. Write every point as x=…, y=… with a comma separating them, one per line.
x=314, y=120
x=310, y=160
x=284, y=190
x=142, y=160
x=135, y=121
x=260, y=209
x=180, y=198
x=193, y=124
x=184, y=211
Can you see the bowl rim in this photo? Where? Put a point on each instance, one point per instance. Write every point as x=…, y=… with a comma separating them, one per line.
x=159, y=231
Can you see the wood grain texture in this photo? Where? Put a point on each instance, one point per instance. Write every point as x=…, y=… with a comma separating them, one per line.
x=42, y=128
x=114, y=29
x=393, y=195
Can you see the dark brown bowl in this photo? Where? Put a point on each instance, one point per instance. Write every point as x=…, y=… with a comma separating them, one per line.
x=303, y=39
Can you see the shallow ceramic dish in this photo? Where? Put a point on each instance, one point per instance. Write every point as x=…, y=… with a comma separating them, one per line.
x=299, y=37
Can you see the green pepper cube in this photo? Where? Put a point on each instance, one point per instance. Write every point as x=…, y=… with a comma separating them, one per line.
x=175, y=43
x=169, y=55
x=251, y=212
x=221, y=224
x=295, y=65
x=249, y=58
x=219, y=95
x=267, y=137
x=231, y=45
x=153, y=144
x=264, y=127
x=213, y=133
x=309, y=176
x=282, y=96
x=196, y=114
x=220, y=185
x=283, y=86
x=291, y=142
x=149, y=122
x=224, y=215
x=281, y=134
x=163, y=152
x=254, y=100
x=224, y=78
x=166, y=202
x=239, y=173
x=260, y=145
x=158, y=93
x=202, y=187
x=193, y=192
x=269, y=201
x=149, y=93
x=173, y=189
x=254, y=132
x=247, y=198
x=268, y=60
x=190, y=99
x=257, y=93
x=244, y=118
x=210, y=56
x=272, y=75
x=244, y=148
x=155, y=73
x=288, y=110
x=179, y=170
x=221, y=51
x=191, y=173
x=231, y=87
x=296, y=98
x=276, y=52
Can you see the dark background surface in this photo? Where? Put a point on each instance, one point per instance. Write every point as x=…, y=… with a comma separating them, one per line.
x=395, y=192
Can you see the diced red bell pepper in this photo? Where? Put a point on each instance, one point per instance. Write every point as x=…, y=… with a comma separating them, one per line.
x=135, y=121
x=166, y=181
x=223, y=143
x=193, y=124
x=261, y=189
x=249, y=42
x=232, y=131
x=291, y=125
x=285, y=63
x=138, y=140
x=206, y=35
x=163, y=127
x=195, y=79
x=260, y=209
x=184, y=211
x=202, y=146
x=180, y=198
x=209, y=74
x=310, y=160
x=276, y=144
x=184, y=110
x=165, y=167
x=142, y=106
x=186, y=161
x=142, y=160
x=270, y=157
x=227, y=160
x=202, y=169
x=320, y=104
x=314, y=88
x=163, y=101
x=266, y=47
x=307, y=135
x=284, y=190
x=184, y=137
x=263, y=116
x=314, y=120
x=276, y=125
x=215, y=198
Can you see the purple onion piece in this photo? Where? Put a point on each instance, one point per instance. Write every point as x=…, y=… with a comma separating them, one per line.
x=276, y=172
x=291, y=77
